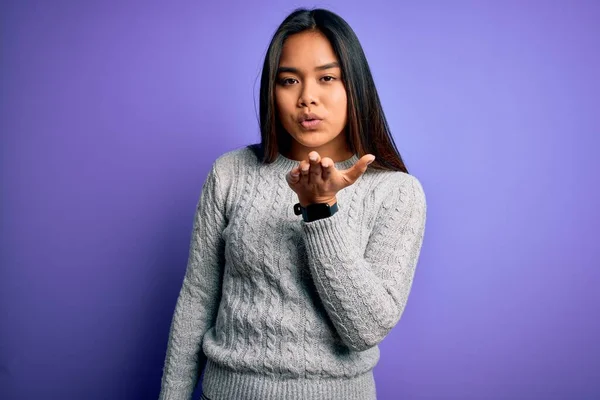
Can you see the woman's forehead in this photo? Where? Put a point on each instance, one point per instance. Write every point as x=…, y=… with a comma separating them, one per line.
x=309, y=49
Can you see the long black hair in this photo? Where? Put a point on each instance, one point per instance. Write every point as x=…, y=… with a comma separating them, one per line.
x=367, y=130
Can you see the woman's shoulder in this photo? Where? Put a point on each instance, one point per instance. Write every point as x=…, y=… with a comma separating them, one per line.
x=242, y=156
x=229, y=167
x=394, y=179
x=395, y=186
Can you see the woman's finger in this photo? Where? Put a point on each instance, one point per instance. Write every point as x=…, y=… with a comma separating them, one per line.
x=359, y=168
x=295, y=173
x=327, y=165
x=304, y=169
x=315, y=165
x=293, y=176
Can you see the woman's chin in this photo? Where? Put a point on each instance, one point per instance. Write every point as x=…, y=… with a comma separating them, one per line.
x=312, y=138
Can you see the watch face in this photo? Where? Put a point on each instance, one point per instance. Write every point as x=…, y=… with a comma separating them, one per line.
x=318, y=210
x=297, y=209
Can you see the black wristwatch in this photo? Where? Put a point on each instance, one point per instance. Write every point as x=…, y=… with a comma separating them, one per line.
x=316, y=211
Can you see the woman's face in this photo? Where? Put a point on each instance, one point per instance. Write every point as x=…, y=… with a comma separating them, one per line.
x=309, y=81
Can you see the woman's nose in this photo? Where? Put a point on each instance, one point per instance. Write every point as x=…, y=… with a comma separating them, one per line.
x=307, y=96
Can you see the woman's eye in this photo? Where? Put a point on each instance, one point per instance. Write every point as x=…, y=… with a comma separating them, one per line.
x=287, y=81
x=328, y=78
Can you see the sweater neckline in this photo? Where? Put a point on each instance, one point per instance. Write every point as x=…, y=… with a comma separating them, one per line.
x=284, y=164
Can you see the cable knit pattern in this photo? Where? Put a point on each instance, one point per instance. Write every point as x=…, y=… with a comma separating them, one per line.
x=272, y=307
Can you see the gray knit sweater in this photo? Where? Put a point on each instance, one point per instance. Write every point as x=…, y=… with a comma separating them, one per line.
x=272, y=307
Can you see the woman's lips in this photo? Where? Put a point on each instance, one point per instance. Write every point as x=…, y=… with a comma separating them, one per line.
x=310, y=123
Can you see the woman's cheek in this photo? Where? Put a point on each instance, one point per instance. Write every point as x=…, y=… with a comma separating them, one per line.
x=284, y=101
x=339, y=96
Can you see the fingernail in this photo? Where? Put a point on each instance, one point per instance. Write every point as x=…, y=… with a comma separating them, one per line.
x=371, y=160
x=312, y=158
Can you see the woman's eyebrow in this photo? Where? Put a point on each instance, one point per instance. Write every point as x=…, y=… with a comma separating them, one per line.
x=293, y=70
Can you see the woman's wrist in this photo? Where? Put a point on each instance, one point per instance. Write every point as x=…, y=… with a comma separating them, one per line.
x=305, y=203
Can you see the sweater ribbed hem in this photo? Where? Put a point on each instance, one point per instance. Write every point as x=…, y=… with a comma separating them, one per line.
x=220, y=383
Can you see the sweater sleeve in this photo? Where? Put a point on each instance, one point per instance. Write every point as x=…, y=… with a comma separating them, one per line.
x=199, y=297
x=365, y=294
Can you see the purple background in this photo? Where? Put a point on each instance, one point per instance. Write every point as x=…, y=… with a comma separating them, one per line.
x=112, y=113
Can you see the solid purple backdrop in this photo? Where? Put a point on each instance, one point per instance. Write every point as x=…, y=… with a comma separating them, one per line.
x=112, y=113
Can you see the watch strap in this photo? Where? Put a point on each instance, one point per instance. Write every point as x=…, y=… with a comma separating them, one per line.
x=313, y=212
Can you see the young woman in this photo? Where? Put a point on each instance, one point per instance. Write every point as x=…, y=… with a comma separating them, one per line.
x=302, y=254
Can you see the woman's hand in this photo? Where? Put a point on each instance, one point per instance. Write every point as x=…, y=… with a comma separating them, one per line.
x=317, y=180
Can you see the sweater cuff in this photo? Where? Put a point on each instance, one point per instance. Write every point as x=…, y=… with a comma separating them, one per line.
x=176, y=393
x=328, y=238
